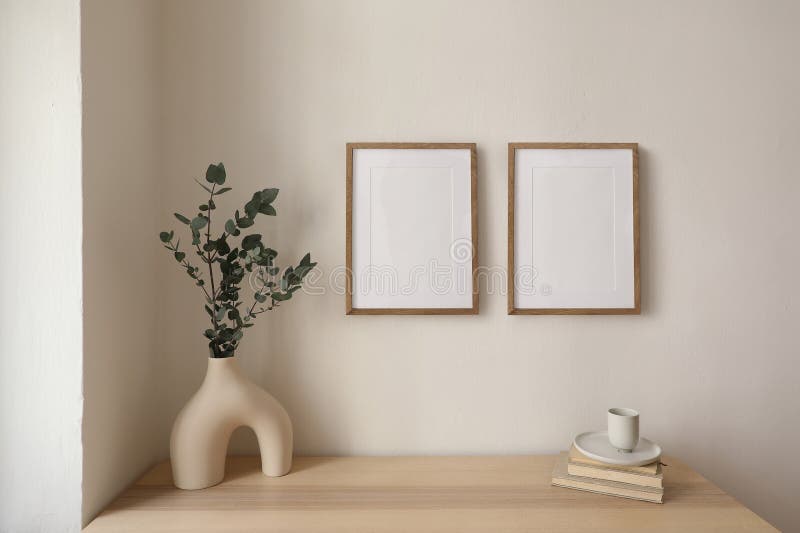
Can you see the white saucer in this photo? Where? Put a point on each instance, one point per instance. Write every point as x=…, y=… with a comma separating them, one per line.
x=595, y=445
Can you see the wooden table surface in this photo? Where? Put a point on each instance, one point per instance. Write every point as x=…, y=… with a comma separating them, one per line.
x=379, y=494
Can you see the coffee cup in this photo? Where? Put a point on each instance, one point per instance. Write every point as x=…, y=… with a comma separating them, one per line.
x=623, y=428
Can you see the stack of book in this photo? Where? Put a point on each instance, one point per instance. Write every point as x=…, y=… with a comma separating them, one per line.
x=574, y=470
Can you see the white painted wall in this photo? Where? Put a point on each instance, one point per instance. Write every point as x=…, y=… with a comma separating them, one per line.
x=40, y=266
x=123, y=430
x=276, y=89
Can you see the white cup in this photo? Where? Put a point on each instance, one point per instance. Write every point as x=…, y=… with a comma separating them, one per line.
x=623, y=428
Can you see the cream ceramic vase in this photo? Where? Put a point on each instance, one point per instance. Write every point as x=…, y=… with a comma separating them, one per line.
x=225, y=401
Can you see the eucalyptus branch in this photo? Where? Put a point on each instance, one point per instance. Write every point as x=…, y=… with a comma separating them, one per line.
x=255, y=299
x=166, y=238
x=210, y=264
x=200, y=253
x=232, y=260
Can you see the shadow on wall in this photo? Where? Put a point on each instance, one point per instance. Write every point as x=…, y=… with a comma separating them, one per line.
x=647, y=214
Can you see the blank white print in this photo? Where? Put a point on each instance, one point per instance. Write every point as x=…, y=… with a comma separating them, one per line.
x=409, y=208
x=573, y=229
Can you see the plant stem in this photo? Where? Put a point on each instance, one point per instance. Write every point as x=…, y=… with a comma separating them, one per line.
x=211, y=264
x=186, y=264
x=200, y=253
x=250, y=312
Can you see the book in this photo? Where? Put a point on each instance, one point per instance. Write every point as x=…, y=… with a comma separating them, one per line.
x=614, y=472
x=577, y=457
x=562, y=478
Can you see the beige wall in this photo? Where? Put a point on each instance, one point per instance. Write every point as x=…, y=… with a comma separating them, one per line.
x=121, y=191
x=709, y=90
x=40, y=266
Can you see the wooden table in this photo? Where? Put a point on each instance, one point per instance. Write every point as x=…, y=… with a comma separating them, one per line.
x=377, y=494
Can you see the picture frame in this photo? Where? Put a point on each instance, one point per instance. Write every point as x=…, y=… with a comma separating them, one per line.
x=573, y=229
x=411, y=213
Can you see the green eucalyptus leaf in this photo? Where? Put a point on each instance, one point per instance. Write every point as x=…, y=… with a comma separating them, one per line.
x=182, y=218
x=164, y=236
x=245, y=222
x=251, y=241
x=230, y=226
x=221, y=174
x=251, y=208
x=268, y=195
x=216, y=174
x=302, y=271
x=260, y=298
x=203, y=207
x=222, y=190
x=267, y=209
x=179, y=256
x=222, y=246
x=199, y=223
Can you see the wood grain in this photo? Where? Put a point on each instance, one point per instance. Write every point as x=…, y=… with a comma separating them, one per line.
x=387, y=494
x=349, y=309
x=512, y=309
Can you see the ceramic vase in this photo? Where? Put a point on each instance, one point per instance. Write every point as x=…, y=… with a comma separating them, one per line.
x=225, y=401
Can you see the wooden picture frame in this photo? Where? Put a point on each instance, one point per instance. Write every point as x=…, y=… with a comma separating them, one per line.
x=572, y=154
x=411, y=164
